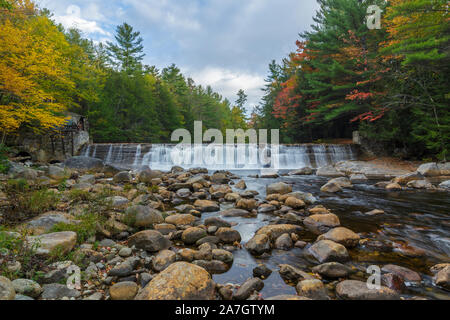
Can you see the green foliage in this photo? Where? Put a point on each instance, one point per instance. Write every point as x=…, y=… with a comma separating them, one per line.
x=86, y=228
x=4, y=164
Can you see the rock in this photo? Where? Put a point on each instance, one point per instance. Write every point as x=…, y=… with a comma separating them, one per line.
x=328, y=251
x=181, y=219
x=341, y=235
x=393, y=282
x=149, y=240
x=84, y=163
x=20, y=297
x=358, y=178
x=47, y=221
x=313, y=289
x=370, y=170
x=404, y=179
x=276, y=230
x=305, y=171
x=217, y=222
x=287, y=297
x=442, y=278
x=118, y=201
x=294, y=203
x=125, y=252
x=247, y=288
x=27, y=174
x=266, y=208
x=186, y=254
x=7, y=291
x=445, y=185
x=220, y=178
x=247, y=204
x=358, y=290
x=163, y=259
x=438, y=267
x=406, y=274
x=321, y=223
x=228, y=235
x=180, y=281
x=262, y=272
x=126, y=290
x=165, y=228
x=27, y=288
x=193, y=234
x=143, y=216
x=206, y=206
x=94, y=297
x=333, y=270
x=342, y=182
x=308, y=198
x=233, y=212
x=107, y=243
x=183, y=193
x=232, y=197
x=122, y=177
x=429, y=170
x=145, y=175
x=284, y=242
x=249, y=194
x=419, y=184
x=374, y=212
x=280, y=188
x=212, y=266
x=56, y=172
x=300, y=244
x=292, y=274
x=222, y=255
x=122, y=270
x=393, y=186
x=241, y=185
x=331, y=187
x=56, y=291
x=329, y=171
x=258, y=245
x=47, y=243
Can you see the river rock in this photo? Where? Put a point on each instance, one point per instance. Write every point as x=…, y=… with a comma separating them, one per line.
x=206, y=206
x=247, y=288
x=163, y=259
x=358, y=178
x=146, y=175
x=7, y=291
x=126, y=290
x=442, y=278
x=374, y=212
x=180, y=281
x=406, y=274
x=27, y=288
x=56, y=172
x=56, y=291
x=393, y=282
x=404, y=179
x=308, y=198
x=429, y=170
x=222, y=255
x=305, y=171
x=193, y=234
x=328, y=251
x=247, y=204
x=232, y=197
x=118, y=201
x=212, y=266
x=445, y=185
x=234, y=212
x=241, y=185
x=149, y=240
x=122, y=177
x=419, y=184
x=358, y=290
x=329, y=171
x=47, y=243
x=266, y=208
x=393, y=186
x=84, y=163
x=276, y=230
x=262, y=271
x=293, y=274
x=321, y=223
x=331, y=187
x=284, y=242
x=144, y=216
x=228, y=235
x=294, y=203
x=47, y=221
x=313, y=289
x=341, y=235
x=333, y=270
x=217, y=222
x=181, y=219
x=280, y=188
x=258, y=245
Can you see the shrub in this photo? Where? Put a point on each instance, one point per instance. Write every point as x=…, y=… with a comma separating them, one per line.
x=86, y=228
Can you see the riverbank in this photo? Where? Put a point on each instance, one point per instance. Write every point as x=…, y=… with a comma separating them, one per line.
x=297, y=235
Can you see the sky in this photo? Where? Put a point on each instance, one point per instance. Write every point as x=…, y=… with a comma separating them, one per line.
x=227, y=44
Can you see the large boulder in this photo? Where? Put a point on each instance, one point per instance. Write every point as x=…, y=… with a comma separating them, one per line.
x=56, y=172
x=342, y=182
x=47, y=243
x=143, y=216
x=308, y=198
x=305, y=171
x=146, y=175
x=429, y=170
x=358, y=290
x=192, y=235
x=27, y=287
x=279, y=188
x=149, y=240
x=445, y=185
x=321, y=223
x=47, y=221
x=84, y=163
x=122, y=177
x=331, y=187
x=328, y=251
x=180, y=281
x=341, y=235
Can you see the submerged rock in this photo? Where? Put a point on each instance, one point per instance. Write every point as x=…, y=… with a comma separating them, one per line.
x=327, y=251
x=333, y=270
x=280, y=188
x=341, y=235
x=358, y=290
x=247, y=288
x=321, y=223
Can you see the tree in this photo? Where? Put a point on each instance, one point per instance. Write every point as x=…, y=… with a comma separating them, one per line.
x=127, y=53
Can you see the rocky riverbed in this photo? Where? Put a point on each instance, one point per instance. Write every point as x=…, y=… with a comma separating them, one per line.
x=193, y=234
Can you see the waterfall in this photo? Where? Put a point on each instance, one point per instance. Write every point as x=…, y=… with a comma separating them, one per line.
x=220, y=157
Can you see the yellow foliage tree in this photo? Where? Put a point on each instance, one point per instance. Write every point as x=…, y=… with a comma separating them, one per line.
x=34, y=72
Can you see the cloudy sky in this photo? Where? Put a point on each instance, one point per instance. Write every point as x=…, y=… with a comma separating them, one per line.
x=227, y=44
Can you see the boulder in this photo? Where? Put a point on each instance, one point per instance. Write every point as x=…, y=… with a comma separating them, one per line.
x=47, y=243
x=247, y=288
x=358, y=290
x=118, y=201
x=393, y=186
x=212, y=266
x=193, y=234
x=84, y=163
x=266, y=208
x=122, y=177
x=329, y=171
x=305, y=171
x=47, y=221
x=442, y=278
x=241, y=185
x=328, y=251
x=228, y=235
x=126, y=290
x=341, y=235
x=181, y=219
x=262, y=272
x=27, y=287
x=419, y=184
x=429, y=170
x=321, y=223
x=180, y=281
x=217, y=222
x=358, y=178
x=7, y=291
x=331, y=187
x=313, y=289
x=284, y=242
x=247, y=204
x=149, y=240
x=163, y=259
x=280, y=188
x=146, y=175
x=292, y=274
x=233, y=212
x=222, y=255
x=342, y=182
x=308, y=198
x=258, y=245
x=406, y=274
x=220, y=178
x=206, y=206
x=294, y=203
x=144, y=216
x=276, y=230
x=445, y=185
x=56, y=172
x=333, y=270
x=56, y=291
x=374, y=212
x=405, y=178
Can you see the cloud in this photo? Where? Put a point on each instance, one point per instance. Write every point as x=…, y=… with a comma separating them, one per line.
x=73, y=19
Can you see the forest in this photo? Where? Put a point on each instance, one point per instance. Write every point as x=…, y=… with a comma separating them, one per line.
x=391, y=83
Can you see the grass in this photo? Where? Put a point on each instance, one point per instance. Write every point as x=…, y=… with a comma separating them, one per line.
x=86, y=228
